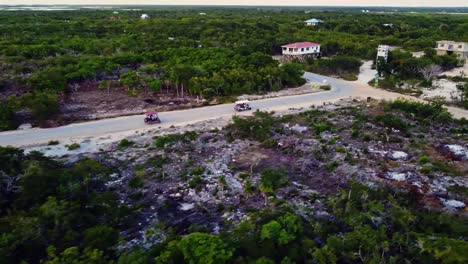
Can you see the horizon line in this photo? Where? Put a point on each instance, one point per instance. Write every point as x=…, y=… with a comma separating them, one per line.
x=229, y=5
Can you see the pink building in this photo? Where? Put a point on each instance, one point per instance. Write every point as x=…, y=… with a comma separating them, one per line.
x=301, y=48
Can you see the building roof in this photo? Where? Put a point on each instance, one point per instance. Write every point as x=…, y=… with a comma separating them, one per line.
x=301, y=45
x=314, y=20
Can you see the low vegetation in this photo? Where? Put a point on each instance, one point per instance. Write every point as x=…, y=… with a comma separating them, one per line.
x=73, y=146
x=341, y=66
x=258, y=191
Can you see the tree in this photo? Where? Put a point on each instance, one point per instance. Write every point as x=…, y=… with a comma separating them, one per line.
x=43, y=105
x=430, y=71
x=201, y=248
x=100, y=237
x=48, y=79
x=291, y=74
x=271, y=180
x=132, y=80
x=283, y=230
x=154, y=84
x=463, y=88
x=7, y=117
x=106, y=85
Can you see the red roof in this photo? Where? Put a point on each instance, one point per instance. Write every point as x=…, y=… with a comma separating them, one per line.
x=301, y=45
x=151, y=113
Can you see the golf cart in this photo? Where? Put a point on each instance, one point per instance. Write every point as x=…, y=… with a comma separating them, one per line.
x=242, y=106
x=152, y=118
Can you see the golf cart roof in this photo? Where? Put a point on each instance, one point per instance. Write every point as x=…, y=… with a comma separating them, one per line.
x=151, y=113
x=243, y=102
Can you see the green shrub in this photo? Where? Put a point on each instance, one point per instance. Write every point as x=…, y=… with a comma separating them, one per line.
x=53, y=142
x=125, y=143
x=163, y=141
x=458, y=189
x=135, y=182
x=392, y=121
x=433, y=111
x=73, y=146
x=340, y=149
x=332, y=166
x=198, y=171
x=322, y=127
x=196, y=182
x=325, y=87
x=258, y=127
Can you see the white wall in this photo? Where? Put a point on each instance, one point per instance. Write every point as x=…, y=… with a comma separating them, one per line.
x=301, y=51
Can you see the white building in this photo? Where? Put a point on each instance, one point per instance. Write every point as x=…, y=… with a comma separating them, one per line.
x=313, y=22
x=447, y=47
x=382, y=52
x=144, y=16
x=301, y=48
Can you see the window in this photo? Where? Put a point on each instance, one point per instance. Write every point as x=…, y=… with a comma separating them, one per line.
x=441, y=45
x=302, y=49
x=290, y=49
x=460, y=46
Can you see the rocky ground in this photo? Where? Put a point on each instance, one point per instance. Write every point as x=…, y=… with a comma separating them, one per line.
x=442, y=89
x=207, y=175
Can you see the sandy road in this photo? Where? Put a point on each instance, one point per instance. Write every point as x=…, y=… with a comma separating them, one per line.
x=106, y=127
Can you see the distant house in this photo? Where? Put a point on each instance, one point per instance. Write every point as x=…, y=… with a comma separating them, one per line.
x=382, y=52
x=301, y=48
x=447, y=47
x=202, y=14
x=313, y=22
x=144, y=16
x=418, y=54
x=388, y=25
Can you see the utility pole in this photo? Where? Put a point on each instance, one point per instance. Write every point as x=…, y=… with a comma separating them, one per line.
x=377, y=77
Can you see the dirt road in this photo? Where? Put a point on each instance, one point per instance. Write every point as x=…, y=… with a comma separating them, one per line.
x=129, y=124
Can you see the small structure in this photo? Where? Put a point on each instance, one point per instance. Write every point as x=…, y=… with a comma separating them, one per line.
x=202, y=14
x=313, y=22
x=144, y=16
x=382, y=52
x=447, y=47
x=418, y=54
x=300, y=50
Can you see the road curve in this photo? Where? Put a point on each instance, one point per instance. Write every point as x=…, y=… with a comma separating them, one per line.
x=99, y=128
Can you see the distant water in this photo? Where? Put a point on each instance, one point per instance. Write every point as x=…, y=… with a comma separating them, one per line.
x=37, y=8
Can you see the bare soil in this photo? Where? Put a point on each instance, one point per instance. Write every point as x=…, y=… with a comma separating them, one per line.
x=95, y=104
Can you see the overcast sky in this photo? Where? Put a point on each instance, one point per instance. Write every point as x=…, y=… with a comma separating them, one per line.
x=424, y=3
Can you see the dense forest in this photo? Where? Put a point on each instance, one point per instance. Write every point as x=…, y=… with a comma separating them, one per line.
x=45, y=57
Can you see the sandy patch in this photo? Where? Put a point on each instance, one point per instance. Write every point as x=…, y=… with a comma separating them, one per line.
x=444, y=89
x=457, y=71
x=366, y=73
